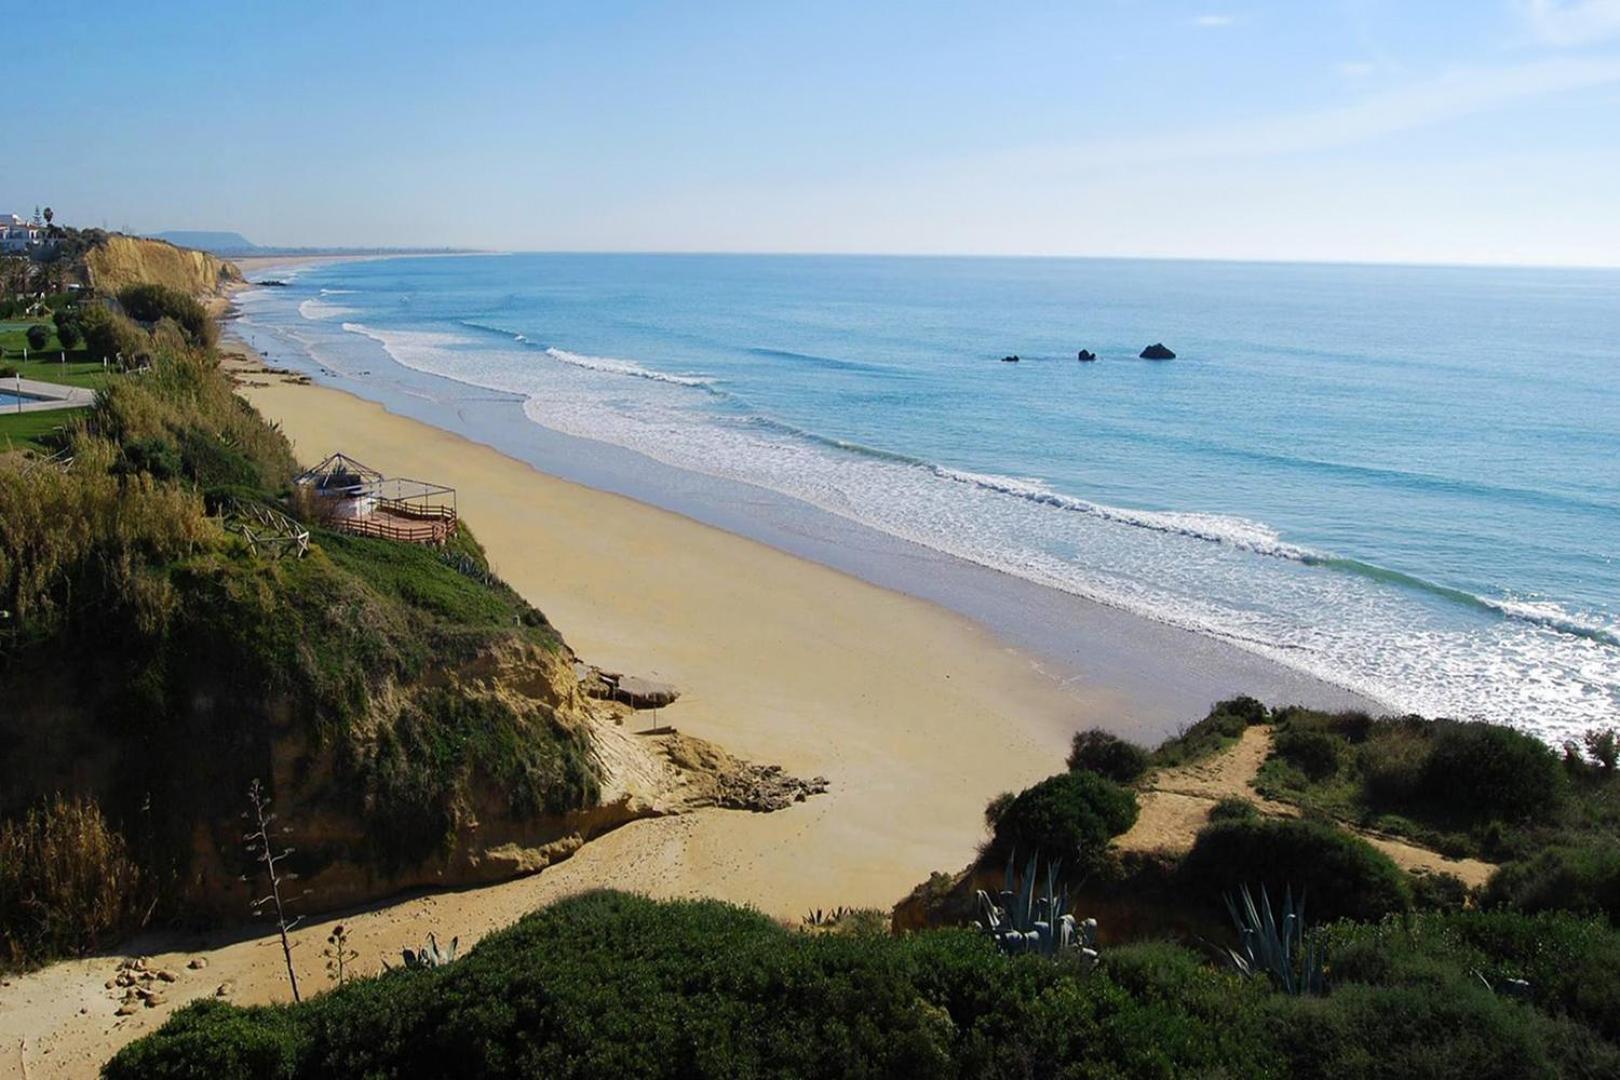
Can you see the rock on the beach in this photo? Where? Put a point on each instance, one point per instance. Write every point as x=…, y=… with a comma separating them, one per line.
x=225, y=989
x=197, y=963
x=1157, y=351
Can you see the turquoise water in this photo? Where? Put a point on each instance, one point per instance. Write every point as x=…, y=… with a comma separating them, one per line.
x=14, y=400
x=1404, y=481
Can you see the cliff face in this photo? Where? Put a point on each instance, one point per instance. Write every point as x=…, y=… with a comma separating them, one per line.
x=193, y=782
x=129, y=260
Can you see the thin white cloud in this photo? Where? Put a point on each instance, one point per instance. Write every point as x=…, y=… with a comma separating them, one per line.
x=1453, y=95
x=1213, y=20
x=1356, y=69
x=1572, y=22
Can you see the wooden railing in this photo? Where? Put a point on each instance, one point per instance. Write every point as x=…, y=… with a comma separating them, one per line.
x=419, y=528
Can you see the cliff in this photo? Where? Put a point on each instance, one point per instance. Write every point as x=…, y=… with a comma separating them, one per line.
x=117, y=261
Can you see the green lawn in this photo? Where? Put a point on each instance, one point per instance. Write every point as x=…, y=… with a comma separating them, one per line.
x=22, y=431
x=79, y=370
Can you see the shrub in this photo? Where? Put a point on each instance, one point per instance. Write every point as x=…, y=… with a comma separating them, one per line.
x=38, y=337
x=1439, y=892
x=612, y=985
x=1572, y=965
x=150, y=303
x=1234, y=808
x=108, y=336
x=1069, y=817
x=1341, y=875
x=1490, y=772
x=1315, y=753
x=1569, y=878
x=66, y=882
x=1226, y=722
x=69, y=334
x=1392, y=764
x=1108, y=755
x=995, y=808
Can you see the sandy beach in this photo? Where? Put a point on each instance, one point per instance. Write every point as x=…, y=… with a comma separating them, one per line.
x=916, y=716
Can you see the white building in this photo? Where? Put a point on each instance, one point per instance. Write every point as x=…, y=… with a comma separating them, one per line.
x=18, y=234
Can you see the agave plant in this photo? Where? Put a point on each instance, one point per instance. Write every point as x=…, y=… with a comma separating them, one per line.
x=429, y=955
x=1027, y=922
x=1275, y=948
x=818, y=919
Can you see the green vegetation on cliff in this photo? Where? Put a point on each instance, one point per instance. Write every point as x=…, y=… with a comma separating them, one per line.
x=615, y=985
x=152, y=663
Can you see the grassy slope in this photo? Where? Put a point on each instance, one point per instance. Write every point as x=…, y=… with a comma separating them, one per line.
x=32, y=431
x=197, y=654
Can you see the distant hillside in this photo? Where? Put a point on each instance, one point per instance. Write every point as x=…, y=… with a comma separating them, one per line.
x=226, y=243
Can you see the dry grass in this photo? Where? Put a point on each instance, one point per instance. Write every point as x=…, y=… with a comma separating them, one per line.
x=67, y=882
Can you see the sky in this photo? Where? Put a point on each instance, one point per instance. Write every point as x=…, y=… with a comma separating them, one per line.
x=1449, y=131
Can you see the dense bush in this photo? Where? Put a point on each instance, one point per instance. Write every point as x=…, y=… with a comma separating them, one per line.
x=1233, y=808
x=38, y=337
x=1490, y=772
x=1225, y=723
x=1068, y=817
x=109, y=336
x=1571, y=965
x=149, y=303
x=1583, y=878
x=1315, y=753
x=1108, y=755
x=613, y=985
x=1341, y=875
x=67, y=882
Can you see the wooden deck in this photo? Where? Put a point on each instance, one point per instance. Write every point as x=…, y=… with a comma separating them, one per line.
x=407, y=524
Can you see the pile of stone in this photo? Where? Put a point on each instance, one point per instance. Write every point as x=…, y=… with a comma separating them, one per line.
x=764, y=788
x=141, y=983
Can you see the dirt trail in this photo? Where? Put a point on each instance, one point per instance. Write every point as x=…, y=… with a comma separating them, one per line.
x=1176, y=804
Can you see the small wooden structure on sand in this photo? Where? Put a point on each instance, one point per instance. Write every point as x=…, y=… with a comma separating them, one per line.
x=350, y=497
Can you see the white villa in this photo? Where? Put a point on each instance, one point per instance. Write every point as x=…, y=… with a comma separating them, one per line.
x=19, y=234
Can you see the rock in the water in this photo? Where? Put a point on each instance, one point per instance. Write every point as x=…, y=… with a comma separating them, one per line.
x=1157, y=351
x=1010, y=359
x=1086, y=356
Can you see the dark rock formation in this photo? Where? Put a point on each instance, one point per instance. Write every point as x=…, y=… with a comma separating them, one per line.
x=1013, y=359
x=1086, y=356
x=764, y=788
x=1157, y=351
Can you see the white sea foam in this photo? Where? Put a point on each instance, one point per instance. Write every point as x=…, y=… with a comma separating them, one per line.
x=610, y=366
x=1532, y=664
x=314, y=309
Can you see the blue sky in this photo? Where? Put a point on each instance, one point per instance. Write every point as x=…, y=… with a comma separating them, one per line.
x=1383, y=130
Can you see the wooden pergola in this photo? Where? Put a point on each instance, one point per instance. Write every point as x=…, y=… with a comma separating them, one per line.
x=353, y=498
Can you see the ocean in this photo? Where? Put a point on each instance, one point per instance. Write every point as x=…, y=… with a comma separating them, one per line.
x=1401, y=481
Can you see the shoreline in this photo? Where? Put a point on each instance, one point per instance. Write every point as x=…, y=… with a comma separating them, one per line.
x=916, y=713
x=1161, y=675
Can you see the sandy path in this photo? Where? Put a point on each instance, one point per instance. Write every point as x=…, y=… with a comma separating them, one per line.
x=915, y=715
x=1176, y=803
